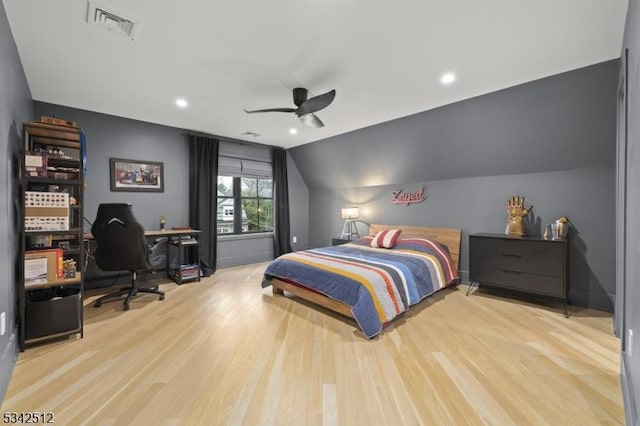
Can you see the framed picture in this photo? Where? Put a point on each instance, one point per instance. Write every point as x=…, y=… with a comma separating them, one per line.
x=136, y=175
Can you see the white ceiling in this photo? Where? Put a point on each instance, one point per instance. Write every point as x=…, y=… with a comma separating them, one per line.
x=384, y=58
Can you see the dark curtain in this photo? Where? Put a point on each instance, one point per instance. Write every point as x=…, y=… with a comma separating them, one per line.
x=282, y=240
x=203, y=196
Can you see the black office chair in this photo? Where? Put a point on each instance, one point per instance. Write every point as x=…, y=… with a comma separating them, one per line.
x=121, y=246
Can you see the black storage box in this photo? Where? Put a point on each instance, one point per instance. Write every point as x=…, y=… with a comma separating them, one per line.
x=52, y=311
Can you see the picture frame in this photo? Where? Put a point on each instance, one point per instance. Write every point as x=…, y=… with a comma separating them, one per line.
x=136, y=175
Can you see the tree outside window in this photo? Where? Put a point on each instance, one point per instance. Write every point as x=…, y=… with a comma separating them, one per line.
x=245, y=205
x=257, y=202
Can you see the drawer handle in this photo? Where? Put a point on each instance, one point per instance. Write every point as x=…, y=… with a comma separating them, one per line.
x=507, y=271
x=510, y=255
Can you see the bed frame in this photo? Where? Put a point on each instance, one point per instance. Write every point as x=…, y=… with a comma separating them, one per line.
x=447, y=236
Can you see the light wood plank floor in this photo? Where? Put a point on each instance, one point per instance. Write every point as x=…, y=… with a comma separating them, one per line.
x=225, y=351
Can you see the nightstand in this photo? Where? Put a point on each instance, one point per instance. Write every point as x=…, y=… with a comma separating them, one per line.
x=338, y=241
x=525, y=264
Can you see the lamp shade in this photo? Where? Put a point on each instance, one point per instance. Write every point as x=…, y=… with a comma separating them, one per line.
x=350, y=213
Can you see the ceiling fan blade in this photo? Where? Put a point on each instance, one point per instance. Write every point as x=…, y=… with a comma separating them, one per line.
x=316, y=103
x=271, y=110
x=311, y=120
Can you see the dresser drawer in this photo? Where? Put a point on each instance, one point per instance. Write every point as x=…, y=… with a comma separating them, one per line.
x=521, y=248
x=522, y=263
x=536, y=257
x=532, y=283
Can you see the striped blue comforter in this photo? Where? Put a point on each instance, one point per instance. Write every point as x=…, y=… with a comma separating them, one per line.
x=377, y=283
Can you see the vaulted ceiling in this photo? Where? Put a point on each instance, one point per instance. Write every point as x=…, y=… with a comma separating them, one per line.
x=384, y=59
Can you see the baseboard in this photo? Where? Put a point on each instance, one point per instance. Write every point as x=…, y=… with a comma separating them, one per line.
x=227, y=262
x=584, y=299
x=7, y=363
x=630, y=409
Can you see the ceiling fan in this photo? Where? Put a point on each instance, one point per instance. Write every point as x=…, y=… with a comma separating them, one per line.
x=306, y=108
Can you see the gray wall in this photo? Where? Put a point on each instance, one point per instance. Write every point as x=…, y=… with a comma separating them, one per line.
x=551, y=140
x=631, y=276
x=15, y=108
x=478, y=205
x=562, y=122
x=110, y=136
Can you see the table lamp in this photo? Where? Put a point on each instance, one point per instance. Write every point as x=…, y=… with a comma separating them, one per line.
x=349, y=230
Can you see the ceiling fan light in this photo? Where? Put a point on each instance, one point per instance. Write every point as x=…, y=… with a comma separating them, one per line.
x=311, y=120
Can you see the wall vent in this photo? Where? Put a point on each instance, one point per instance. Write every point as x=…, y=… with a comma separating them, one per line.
x=111, y=20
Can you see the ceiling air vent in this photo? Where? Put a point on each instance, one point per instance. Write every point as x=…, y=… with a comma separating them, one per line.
x=249, y=133
x=111, y=20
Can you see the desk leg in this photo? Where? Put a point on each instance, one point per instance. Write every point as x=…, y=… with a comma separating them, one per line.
x=168, y=257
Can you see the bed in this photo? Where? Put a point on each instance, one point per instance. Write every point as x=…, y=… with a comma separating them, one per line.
x=371, y=285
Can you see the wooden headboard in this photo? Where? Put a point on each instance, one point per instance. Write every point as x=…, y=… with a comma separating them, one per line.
x=447, y=236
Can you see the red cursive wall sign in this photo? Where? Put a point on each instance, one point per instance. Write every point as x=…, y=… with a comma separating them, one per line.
x=406, y=198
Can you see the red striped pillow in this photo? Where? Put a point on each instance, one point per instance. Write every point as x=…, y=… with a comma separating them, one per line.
x=386, y=238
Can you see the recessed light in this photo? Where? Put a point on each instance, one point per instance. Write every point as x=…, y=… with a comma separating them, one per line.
x=293, y=131
x=448, y=78
x=182, y=103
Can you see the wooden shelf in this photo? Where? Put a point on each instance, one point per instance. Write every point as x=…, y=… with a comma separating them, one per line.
x=52, y=181
x=51, y=131
x=42, y=319
x=57, y=283
x=61, y=232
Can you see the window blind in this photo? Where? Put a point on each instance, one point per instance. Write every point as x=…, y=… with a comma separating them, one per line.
x=237, y=167
x=249, y=160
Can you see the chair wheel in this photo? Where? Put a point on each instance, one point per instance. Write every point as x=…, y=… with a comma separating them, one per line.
x=97, y=304
x=161, y=297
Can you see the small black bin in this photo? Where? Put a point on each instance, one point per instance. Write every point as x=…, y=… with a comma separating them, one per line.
x=51, y=311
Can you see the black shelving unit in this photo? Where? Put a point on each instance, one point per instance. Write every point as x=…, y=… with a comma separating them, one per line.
x=186, y=267
x=52, y=197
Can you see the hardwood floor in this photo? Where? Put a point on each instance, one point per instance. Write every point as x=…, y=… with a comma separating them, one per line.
x=225, y=351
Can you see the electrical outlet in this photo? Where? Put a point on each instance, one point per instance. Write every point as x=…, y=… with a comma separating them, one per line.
x=294, y=239
x=3, y=323
x=630, y=343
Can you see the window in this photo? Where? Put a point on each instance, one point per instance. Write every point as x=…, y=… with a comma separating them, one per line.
x=225, y=205
x=245, y=197
x=257, y=203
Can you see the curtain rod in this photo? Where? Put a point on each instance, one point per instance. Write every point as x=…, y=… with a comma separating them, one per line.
x=226, y=139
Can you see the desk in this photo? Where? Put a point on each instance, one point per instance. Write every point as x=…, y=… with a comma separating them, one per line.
x=160, y=233
x=182, y=239
x=171, y=232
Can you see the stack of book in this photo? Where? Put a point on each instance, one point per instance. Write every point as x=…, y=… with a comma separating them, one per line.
x=187, y=271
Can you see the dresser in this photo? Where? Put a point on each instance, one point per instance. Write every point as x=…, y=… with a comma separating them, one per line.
x=526, y=264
